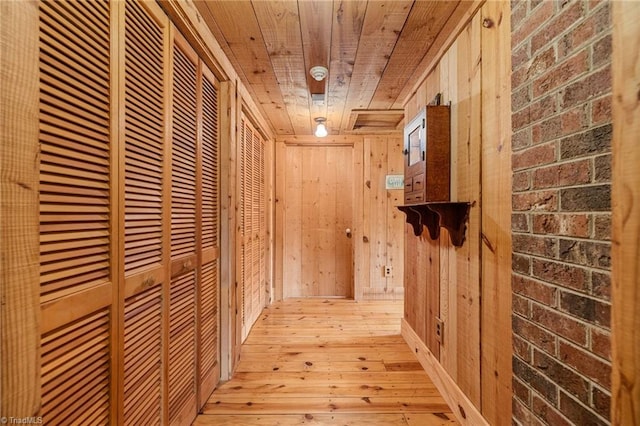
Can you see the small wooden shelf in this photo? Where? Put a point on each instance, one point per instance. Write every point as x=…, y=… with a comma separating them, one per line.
x=450, y=215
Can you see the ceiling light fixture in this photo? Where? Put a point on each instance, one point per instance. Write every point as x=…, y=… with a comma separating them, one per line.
x=321, y=129
x=319, y=72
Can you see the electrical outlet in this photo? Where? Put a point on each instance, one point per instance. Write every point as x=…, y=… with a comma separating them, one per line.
x=388, y=271
x=439, y=330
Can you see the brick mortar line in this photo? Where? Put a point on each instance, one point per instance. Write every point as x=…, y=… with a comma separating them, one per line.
x=546, y=259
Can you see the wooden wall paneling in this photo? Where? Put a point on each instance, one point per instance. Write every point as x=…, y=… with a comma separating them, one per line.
x=313, y=217
x=20, y=387
x=228, y=229
x=377, y=214
x=292, y=226
x=209, y=235
x=395, y=219
x=145, y=211
x=466, y=58
x=360, y=259
x=625, y=391
x=366, y=216
x=496, y=213
x=429, y=253
x=344, y=213
x=281, y=169
x=458, y=20
x=185, y=219
x=76, y=205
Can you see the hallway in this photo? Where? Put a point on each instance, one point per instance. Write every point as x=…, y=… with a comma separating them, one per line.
x=327, y=361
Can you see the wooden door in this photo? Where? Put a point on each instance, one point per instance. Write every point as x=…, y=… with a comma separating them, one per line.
x=318, y=251
x=76, y=213
x=253, y=288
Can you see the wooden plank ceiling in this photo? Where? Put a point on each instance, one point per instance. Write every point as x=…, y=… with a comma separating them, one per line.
x=374, y=50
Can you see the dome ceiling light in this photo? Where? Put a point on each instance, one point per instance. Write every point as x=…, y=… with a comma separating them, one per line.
x=319, y=73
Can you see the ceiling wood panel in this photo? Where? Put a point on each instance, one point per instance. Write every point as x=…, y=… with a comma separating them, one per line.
x=374, y=50
x=423, y=25
x=383, y=23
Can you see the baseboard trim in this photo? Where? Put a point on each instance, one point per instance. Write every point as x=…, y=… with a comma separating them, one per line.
x=462, y=407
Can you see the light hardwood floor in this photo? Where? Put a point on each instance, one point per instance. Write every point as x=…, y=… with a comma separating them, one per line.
x=327, y=362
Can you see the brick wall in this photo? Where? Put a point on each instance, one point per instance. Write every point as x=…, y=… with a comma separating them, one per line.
x=561, y=97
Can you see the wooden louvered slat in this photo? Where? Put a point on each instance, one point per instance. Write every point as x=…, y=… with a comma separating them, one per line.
x=74, y=137
x=142, y=354
x=75, y=369
x=183, y=167
x=143, y=139
x=209, y=164
x=182, y=345
x=209, y=359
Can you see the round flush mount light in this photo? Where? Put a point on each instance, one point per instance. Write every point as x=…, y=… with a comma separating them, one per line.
x=318, y=73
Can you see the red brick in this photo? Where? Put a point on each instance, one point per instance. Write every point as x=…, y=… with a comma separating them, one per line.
x=521, y=119
x=535, y=201
x=601, y=343
x=520, y=390
x=602, y=51
x=547, y=130
x=544, y=108
x=542, y=62
x=586, y=308
x=536, y=245
x=561, y=74
x=602, y=227
x=588, y=87
x=548, y=414
x=518, y=13
x=546, y=224
x=577, y=413
x=601, y=402
x=564, y=275
x=520, y=411
x=521, y=139
x=560, y=324
x=532, y=157
x=563, y=20
x=520, y=264
x=520, y=181
x=535, y=290
x=520, y=305
x=576, y=37
x=519, y=222
x=566, y=174
x=520, y=55
x=601, y=284
x=586, y=364
x=532, y=23
x=519, y=76
x=563, y=376
x=521, y=348
x=602, y=165
x=575, y=225
x=536, y=380
x=574, y=120
x=601, y=110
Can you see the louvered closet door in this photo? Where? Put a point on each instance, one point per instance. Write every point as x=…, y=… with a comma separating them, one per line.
x=76, y=212
x=146, y=203
x=252, y=225
x=209, y=356
x=182, y=315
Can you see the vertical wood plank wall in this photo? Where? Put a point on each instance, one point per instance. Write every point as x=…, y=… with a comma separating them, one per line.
x=378, y=236
x=468, y=287
x=625, y=392
x=19, y=291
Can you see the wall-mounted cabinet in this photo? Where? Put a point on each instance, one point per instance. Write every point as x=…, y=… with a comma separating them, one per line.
x=427, y=150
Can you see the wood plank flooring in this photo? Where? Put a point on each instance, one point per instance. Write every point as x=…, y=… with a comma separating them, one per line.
x=327, y=362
